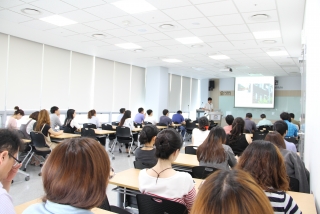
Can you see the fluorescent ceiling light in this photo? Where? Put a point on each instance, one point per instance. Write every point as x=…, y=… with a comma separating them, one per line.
x=134, y=6
x=128, y=46
x=58, y=20
x=171, y=60
x=219, y=57
x=189, y=40
x=267, y=34
x=277, y=53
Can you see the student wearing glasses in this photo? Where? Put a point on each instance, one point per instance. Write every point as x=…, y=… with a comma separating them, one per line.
x=9, y=166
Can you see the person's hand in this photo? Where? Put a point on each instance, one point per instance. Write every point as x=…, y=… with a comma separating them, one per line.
x=12, y=172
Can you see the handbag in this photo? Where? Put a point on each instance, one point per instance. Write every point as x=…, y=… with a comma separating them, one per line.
x=46, y=138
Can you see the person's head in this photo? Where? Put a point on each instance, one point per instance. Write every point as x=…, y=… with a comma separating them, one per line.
x=122, y=110
x=141, y=110
x=209, y=100
x=237, y=127
x=179, y=112
x=55, y=110
x=126, y=115
x=276, y=139
x=229, y=119
x=71, y=113
x=203, y=123
x=34, y=115
x=91, y=113
x=150, y=112
x=77, y=173
x=168, y=144
x=148, y=134
x=18, y=113
x=285, y=116
x=263, y=116
x=9, y=148
x=249, y=115
x=232, y=191
x=291, y=115
x=265, y=163
x=43, y=118
x=281, y=127
x=211, y=149
x=165, y=112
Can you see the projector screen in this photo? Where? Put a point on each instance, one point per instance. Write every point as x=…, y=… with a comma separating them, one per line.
x=254, y=92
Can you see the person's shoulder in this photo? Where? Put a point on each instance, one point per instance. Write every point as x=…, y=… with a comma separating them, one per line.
x=226, y=147
x=184, y=175
x=35, y=209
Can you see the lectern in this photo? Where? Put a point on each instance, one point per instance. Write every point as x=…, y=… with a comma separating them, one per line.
x=216, y=116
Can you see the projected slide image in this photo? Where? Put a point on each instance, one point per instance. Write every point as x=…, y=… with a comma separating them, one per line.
x=244, y=87
x=262, y=93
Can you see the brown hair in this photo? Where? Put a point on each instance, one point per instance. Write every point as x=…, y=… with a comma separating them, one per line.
x=17, y=111
x=276, y=139
x=34, y=115
x=211, y=150
x=91, y=113
x=76, y=173
x=237, y=130
x=233, y=192
x=43, y=118
x=265, y=163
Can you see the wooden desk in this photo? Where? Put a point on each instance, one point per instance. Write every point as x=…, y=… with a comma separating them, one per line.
x=20, y=208
x=133, y=130
x=25, y=140
x=175, y=125
x=305, y=202
x=162, y=127
x=65, y=136
x=186, y=160
x=101, y=132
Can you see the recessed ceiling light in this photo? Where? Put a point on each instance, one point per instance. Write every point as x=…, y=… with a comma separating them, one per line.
x=171, y=60
x=126, y=23
x=128, y=46
x=260, y=17
x=267, y=34
x=196, y=46
x=167, y=26
x=189, y=40
x=269, y=41
x=98, y=36
x=134, y=6
x=277, y=53
x=58, y=20
x=219, y=57
x=139, y=50
x=30, y=11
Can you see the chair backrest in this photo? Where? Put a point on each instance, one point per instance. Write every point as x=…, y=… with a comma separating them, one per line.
x=202, y=172
x=161, y=124
x=265, y=127
x=86, y=132
x=190, y=125
x=106, y=126
x=137, y=125
x=191, y=150
x=123, y=132
x=142, y=165
x=259, y=135
x=89, y=125
x=294, y=184
x=115, y=123
x=38, y=140
x=291, y=139
x=147, y=123
x=66, y=129
x=149, y=204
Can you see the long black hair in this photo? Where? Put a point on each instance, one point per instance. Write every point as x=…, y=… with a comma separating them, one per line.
x=236, y=131
x=69, y=117
x=126, y=115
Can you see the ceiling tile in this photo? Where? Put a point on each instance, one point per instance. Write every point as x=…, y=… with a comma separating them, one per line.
x=188, y=12
x=244, y=43
x=106, y=35
x=54, y=6
x=232, y=52
x=37, y=24
x=126, y=21
x=203, y=1
x=252, y=51
x=233, y=19
x=196, y=23
x=119, y=32
x=255, y=5
x=156, y=36
x=101, y=25
x=234, y=29
x=152, y=17
x=106, y=11
x=178, y=47
x=95, y=43
x=216, y=38
x=147, y=44
x=217, y=8
x=79, y=28
x=10, y=3
x=80, y=16
x=221, y=45
x=80, y=38
x=61, y=32
x=177, y=26
x=18, y=9
x=84, y=3
x=239, y=36
x=158, y=49
x=142, y=29
x=13, y=16
x=113, y=41
x=205, y=31
x=167, y=42
x=264, y=26
x=164, y=4
x=273, y=16
x=134, y=39
x=179, y=34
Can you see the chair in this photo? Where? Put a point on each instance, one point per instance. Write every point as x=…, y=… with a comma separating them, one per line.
x=189, y=128
x=150, y=204
x=142, y=165
x=106, y=206
x=265, y=128
x=137, y=125
x=89, y=125
x=259, y=135
x=191, y=150
x=115, y=123
x=87, y=132
x=202, y=172
x=294, y=184
x=146, y=123
x=66, y=129
x=124, y=136
x=161, y=124
x=106, y=126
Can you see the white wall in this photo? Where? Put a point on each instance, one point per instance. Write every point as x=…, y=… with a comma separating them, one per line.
x=204, y=92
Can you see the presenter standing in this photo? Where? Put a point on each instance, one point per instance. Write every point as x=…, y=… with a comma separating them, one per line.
x=208, y=106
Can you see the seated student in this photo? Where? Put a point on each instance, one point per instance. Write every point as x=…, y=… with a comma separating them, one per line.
x=34, y=118
x=127, y=121
x=164, y=119
x=249, y=124
x=201, y=133
x=70, y=121
x=292, y=129
x=9, y=166
x=55, y=117
x=294, y=121
x=69, y=194
x=178, y=118
x=146, y=154
x=282, y=128
x=92, y=118
x=17, y=115
x=229, y=120
x=149, y=118
x=237, y=140
x=122, y=110
x=294, y=165
x=264, y=121
x=227, y=192
x=139, y=118
x=214, y=153
x=162, y=180
x=270, y=173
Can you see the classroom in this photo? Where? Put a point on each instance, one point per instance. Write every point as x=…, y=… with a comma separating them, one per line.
x=207, y=92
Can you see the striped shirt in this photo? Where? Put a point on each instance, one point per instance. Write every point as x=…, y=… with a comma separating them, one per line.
x=283, y=203
x=6, y=206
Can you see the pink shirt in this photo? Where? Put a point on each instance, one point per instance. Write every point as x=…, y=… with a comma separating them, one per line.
x=227, y=129
x=12, y=123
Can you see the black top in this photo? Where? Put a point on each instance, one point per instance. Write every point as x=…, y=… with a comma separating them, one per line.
x=146, y=156
x=45, y=130
x=239, y=145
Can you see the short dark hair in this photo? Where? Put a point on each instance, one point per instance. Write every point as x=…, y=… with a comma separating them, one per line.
x=165, y=112
x=53, y=109
x=149, y=111
x=9, y=141
x=34, y=115
x=203, y=122
x=285, y=116
x=263, y=116
x=140, y=109
x=147, y=133
x=167, y=142
x=291, y=115
x=229, y=119
x=179, y=112
x=209, y=98
x=249, y=115
x=280, y=126
x=122, y=110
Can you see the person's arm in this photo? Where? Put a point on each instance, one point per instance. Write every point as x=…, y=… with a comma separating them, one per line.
x=295, y=132
x=52, y=132
x=254, y=127
x=12, y=173
x=291, y=206
x=191, y=195
x=232, y=161
x=57, y=121
x=74, y=123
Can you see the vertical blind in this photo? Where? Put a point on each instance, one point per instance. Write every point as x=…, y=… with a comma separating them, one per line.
x=174, y=93
x=121, y=88
x=185, y=98
x=137, y=92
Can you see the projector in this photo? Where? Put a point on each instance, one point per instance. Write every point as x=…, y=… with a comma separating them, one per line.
x=226, y=70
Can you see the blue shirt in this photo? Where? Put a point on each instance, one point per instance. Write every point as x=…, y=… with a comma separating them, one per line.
x=292, y=129
x=139, y=118
x=177, y=118
x=166, y=120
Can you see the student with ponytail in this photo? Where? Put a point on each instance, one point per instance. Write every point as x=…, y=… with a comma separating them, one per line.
x=201, y=133
x=17, y=115
x=163, y=181
x=92, y=118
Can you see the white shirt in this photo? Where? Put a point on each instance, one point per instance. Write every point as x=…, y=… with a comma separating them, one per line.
x=151, y=120
x=6, y=206
x=94, y=120
x=119, y=117
x=208, y=106
x=29, y=127
x=199, y=136
x=129, y=123
x=74, y=123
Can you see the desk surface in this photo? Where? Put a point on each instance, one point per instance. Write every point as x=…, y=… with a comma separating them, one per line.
x=99, y=131
x=186, y=160
x=305, y=202
x=65, y=135
x=20, y=208
x=25, y=140
x=133, y=130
